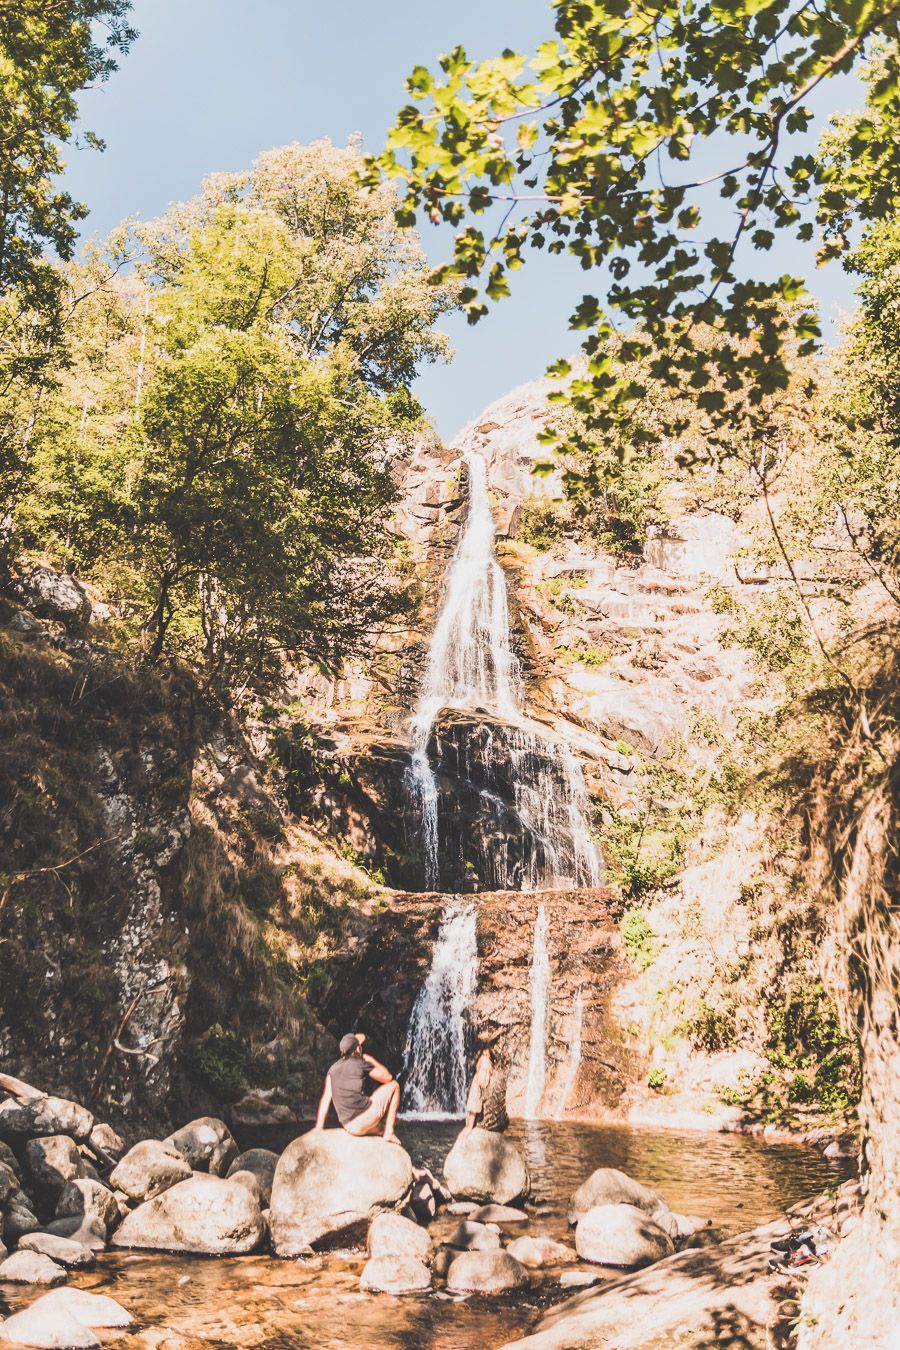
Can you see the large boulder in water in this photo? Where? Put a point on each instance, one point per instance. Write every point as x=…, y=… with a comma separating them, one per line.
x=621, y=1235
x=609, y=1186
x=486, y=1167
x=391, y=1234
x=206, y=1144
x=327, y=1181
x=205, y=1214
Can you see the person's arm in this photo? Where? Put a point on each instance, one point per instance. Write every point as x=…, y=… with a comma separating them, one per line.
x=377, y=1071
x=474, y=1105
x=324, y=1104
x=470, y=1122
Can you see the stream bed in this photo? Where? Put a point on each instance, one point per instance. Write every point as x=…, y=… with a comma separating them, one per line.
x=187, y=1303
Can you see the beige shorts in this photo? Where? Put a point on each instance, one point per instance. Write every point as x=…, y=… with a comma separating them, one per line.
x=371, y=1119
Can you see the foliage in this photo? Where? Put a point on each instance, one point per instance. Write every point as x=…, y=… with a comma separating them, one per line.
x=656, y=1079
x=639, y=938
x=542, y=523
x=711, y=1027
x=220, y=1061
x=48, y=54
x=219, y=454
x=610, y=142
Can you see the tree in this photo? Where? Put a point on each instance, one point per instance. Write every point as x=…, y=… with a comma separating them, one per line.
x=220, y=454
x=50, y=50
x=610, y=144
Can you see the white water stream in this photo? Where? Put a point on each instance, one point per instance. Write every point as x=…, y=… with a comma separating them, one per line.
x=540, y=997
x=471, y=666
x=435, y=1057
x=573, y=1063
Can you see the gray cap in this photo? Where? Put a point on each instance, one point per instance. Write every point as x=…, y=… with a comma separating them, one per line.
x=348, y=1043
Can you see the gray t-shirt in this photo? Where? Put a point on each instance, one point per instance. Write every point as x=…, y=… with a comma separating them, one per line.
x=347, y=1079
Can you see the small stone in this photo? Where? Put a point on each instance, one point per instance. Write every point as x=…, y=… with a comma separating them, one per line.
x=393, y=1235
x=579, y=1279
x=105, y=1137
x=541, y=1251
x=474, y=1237
x=483, y=1272
x=442, y=1260
x=72, y=1255
x=395, y=1275
x=462, y=1207
x=85, y=1198
x=502, y=1215
x=262, y=1163
x=206, y=1144
x=89, y=1231
x=31, y=1268
x=19, y=1218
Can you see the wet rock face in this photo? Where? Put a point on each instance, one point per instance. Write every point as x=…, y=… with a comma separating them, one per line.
x=375, y=984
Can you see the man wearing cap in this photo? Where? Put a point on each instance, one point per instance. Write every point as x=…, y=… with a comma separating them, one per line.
x=358, y=1112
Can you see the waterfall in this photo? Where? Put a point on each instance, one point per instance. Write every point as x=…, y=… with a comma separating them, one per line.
x=472, y=667
x=573, y=1063
x=540, y=993
x=435, y=1058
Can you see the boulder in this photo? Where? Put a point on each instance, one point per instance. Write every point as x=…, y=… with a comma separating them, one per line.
x=19, y=1218
x=204, y=1214
x=148, y=1169
x=621, y=1235
x=474, y=1237
x=395, y=1275
x=442, y=1261
x=262, y=1163
x=327, y=1182
x=609, y=1186
x=502, y=1215
x=54, y=1159
x=87, y=1230
x=84, y=1198
x=44, y=1115
x=31, y=1268
x=486, y=1167
x=64, y=1251
x=541, y=1251
x=485, y=1273
x=392, y=1235
x=9, y=1159
x=62, y=1320
x=9, y=1183
x=53, y=595
x=206, y=1144
x=423, y=1201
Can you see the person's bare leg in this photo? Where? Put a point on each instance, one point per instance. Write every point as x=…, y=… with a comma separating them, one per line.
x=391, y=1117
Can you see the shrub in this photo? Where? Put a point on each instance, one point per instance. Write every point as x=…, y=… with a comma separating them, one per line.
x=639, y=938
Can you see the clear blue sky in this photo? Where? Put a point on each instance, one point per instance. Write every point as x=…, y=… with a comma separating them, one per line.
x=211, y=83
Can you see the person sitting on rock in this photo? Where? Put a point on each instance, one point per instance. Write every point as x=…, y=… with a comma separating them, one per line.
x=358, y=1112
x=486, y=1103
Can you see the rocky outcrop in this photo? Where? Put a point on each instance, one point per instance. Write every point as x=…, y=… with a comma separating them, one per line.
x=328, y=1183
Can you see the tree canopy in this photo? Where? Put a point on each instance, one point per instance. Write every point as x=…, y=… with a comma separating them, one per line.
x=612, y=142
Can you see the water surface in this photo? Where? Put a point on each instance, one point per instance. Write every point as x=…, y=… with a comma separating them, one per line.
x=187, y=1303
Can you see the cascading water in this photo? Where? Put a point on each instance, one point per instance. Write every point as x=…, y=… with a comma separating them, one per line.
x=573, y=1063
x=540, y=994
x=531, y=798
x=435, y=1058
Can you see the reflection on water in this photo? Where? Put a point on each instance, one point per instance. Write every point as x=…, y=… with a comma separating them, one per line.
x=187, y=1303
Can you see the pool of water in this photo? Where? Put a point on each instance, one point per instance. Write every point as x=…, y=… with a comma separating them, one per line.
x=186, y=1303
